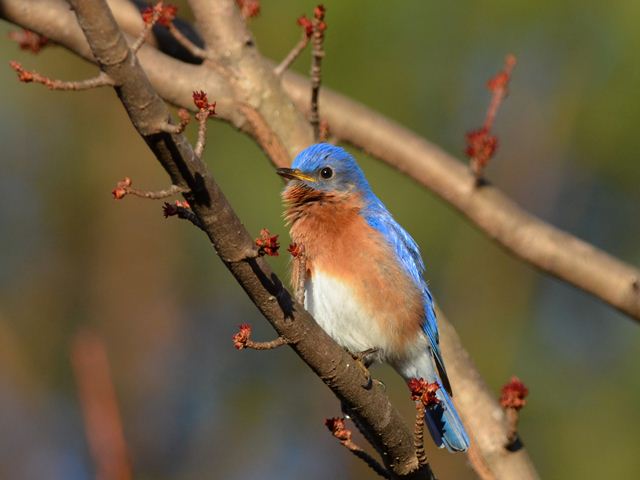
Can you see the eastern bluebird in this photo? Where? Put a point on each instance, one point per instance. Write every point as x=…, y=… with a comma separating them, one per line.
x=364, y=282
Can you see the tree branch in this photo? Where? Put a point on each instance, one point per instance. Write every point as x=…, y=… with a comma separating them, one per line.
x=481, y=413
x=230, y=239
x=319, y=27
x=527, y=237
x=51, y=17
x=250, y=76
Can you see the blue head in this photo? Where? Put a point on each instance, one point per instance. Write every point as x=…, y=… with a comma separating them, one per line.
x=327, y=168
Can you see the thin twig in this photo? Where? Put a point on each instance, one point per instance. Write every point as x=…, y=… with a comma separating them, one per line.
x=124, y=188
x=338, y=429
x=215, y=208
x=205, y=110
x=181, y=210
x=183, y=40
x=299, y=271
x=242, y=340
x=302, y=277
x=499, y=86
x=278, y=342
x=149, y=22
x=292, y=55
x=202, y=133
x=27, y=76
x=481, y=144
x=316, y=68
x=158, y=194
x=265, y=136
x=418, y=434
x=513, y=397
x=555, y=252
x=513, y=415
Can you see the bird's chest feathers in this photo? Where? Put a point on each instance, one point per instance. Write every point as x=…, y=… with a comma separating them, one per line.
x=355, y=288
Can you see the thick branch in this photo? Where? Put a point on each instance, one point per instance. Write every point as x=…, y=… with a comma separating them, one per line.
x=522, y=234
x=230, y=239
x=250, y=75
x=175, y=82
x=481, y=413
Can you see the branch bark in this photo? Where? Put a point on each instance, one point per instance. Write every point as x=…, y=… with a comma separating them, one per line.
x=527, y=237
x=176, y=80
x=481, y=414
x=234, y=245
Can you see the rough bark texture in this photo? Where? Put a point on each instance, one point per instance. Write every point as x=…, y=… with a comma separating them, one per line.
x=520, y=233
x=270, y=117
x=234, y=245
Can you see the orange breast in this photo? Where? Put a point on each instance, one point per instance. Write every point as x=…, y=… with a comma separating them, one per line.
x=339, y=242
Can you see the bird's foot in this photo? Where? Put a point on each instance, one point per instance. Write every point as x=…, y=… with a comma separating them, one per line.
x=363, y=360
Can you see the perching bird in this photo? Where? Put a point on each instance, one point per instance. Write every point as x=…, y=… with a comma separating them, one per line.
x=364, y=282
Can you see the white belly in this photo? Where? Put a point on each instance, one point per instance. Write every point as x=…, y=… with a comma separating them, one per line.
x=336, y=309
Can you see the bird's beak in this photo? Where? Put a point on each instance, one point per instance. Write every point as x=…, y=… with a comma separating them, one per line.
x=294, y=174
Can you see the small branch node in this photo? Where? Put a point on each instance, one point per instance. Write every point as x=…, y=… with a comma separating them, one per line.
x=244, y=256
x=185, y=118
x=181, y=210
x=249, y=8
x=481, y=144
x=267, y=244
x=28, y=40
x=325, y=131
x=424, y=392
x=338, y=429
x=27, y=76
x=513, y=399
x=242, y=340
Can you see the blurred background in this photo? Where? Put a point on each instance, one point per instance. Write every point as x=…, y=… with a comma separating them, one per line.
x=72, y=259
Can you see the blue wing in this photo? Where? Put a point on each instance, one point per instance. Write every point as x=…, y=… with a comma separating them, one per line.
x=408, y=253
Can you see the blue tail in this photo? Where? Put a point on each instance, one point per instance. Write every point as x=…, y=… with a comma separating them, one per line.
x=445, y=425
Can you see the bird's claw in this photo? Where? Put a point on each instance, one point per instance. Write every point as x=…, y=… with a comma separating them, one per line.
x=363, y=361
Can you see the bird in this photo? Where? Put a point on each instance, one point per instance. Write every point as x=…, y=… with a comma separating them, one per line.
x=363, y=278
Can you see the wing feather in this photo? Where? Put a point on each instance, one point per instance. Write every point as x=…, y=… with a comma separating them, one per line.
x=408, y=253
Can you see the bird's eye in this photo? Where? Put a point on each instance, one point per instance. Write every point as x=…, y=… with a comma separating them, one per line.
x=326, y=172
